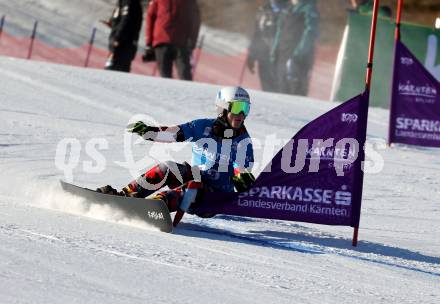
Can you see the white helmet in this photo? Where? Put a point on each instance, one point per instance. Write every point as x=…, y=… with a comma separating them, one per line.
x=227, y=95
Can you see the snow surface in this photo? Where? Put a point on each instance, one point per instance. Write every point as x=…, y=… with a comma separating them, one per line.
x=56, y=248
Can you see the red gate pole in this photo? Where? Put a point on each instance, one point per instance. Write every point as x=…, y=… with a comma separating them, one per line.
x=368, y=80
x=398, y=16
x=371, y=47
x=89, y=50
x=2, y=22
x=31, y=46
x=396, y=39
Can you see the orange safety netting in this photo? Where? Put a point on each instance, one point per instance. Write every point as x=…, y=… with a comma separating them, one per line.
x=210, y=68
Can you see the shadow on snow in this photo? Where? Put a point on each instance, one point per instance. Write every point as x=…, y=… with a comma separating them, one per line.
x=305, y=242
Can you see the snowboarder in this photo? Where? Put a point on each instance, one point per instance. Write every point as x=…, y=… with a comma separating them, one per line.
x=222, y=157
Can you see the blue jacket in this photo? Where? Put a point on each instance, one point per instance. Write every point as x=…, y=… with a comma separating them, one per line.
x=218, y=150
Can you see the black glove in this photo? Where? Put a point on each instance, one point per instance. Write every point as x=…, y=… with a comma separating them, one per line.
x=243, y=181
x=142, y=129
x=149, y=54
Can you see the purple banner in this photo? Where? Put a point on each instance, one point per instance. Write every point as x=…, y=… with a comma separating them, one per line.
x=415, y=102
x=315, y=178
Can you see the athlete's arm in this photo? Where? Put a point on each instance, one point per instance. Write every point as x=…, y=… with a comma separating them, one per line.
x=158, y=134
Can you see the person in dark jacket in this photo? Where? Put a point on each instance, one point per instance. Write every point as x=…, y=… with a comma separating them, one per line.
x=125, y=25
x=262, y=41
x=172, y=29
x=294, y=46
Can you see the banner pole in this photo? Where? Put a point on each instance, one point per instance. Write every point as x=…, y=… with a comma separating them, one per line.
x=368, y=86
x=398, y=16
x=355, y=236
x=34, y=32
x=371, y=46
x=396, y=39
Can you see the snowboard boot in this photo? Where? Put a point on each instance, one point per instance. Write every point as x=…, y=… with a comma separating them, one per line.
x=160, y=197
x=107, y=190
x=127, y=191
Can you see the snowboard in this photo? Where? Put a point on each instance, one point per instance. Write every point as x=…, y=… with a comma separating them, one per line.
x=153, y=212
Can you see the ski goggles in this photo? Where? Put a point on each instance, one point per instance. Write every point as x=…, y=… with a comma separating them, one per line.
x=237, y=106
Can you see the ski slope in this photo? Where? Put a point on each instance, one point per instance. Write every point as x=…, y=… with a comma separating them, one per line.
x=56, y=248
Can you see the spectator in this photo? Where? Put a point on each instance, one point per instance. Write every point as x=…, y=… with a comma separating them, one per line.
x=294, y=46
x=262, y=41
x=125, y=25
x=171, y=30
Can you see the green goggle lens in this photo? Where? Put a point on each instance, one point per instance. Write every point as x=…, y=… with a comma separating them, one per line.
x=236, y=107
